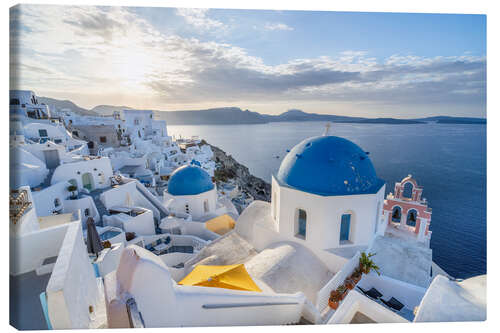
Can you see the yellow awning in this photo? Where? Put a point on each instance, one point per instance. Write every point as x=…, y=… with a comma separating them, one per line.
x=229, y=277
x=220, y=224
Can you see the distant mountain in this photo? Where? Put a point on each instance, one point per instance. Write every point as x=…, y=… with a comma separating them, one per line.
x=57, y=104
x=216, y=116
x=453, y=120
x=107, y=110
x=235, y=115
x=299, y=115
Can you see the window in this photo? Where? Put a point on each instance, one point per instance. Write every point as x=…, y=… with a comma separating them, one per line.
x=57, y=202
x=15, y=101
x=301, y=224
x=42, y=132
x=75, y=133
x=87, y=212
x=57, y=141
x=102, y=139
x=90, y=144
x=408, y=190
x=411, y=219
x=205, y=206
x=345, y=227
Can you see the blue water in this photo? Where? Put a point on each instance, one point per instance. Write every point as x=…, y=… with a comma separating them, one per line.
x=448, y=160
x=108, y=234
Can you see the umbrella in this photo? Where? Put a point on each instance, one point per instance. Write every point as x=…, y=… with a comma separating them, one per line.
x=229, y=277
x=93, y=240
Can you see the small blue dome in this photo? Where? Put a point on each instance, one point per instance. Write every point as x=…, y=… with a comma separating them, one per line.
x=329, y=165
x=189, y=180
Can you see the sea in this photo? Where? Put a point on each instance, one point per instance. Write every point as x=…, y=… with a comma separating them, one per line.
x=448, y=160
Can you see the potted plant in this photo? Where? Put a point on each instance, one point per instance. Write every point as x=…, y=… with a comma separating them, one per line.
x=72, y=189
x=366, y=264
x=356, y=275
x=334, y=300
x=349, y=283
x=342, y=290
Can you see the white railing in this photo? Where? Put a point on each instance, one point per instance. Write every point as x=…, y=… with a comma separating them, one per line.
x=324, y=294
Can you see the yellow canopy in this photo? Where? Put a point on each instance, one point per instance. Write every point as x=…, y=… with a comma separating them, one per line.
x=229, y=277
x=220, y=224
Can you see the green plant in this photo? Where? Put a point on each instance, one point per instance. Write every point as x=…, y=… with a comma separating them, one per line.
x=341, y=289
x=335, y=296
x=366, y=264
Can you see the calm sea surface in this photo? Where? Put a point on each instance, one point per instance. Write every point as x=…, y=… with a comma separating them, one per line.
x=448, y=160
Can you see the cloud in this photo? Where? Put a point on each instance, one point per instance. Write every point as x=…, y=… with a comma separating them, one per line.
x=198, y=18
x=277, y=26
x=123, y=59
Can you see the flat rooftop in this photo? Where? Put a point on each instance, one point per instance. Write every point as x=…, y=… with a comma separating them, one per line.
x=403, y=259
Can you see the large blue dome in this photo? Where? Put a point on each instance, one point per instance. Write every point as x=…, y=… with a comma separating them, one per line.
x=329, y=165
x=189, y=180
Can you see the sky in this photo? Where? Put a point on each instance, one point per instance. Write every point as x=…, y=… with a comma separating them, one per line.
x=358, y=64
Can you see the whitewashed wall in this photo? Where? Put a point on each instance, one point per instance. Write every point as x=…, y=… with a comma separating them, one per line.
x=324, y=215
x=72, y=287
x=68, y=171
x=195, y=202
x=165, y=304
x=45, y=199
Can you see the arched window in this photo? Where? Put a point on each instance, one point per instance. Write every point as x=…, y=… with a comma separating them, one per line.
x=408, y=190
x=205, y=206
x=345, y=228
x=396, y=214
x=411, y=219
x=301, y=224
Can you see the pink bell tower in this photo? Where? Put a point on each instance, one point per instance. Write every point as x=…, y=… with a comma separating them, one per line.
x=407, y=210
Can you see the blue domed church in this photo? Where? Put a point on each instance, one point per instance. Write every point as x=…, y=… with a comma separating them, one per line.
x=191, y=191
x=327, y=194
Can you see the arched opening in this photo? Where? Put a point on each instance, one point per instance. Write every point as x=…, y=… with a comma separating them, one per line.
x=408, y=190
x=57, y=202
x=411, y=219
x=86, y=212
x=88, y=181
x=396, y=214
x=345, y=228
x=300, y=223
x=205, y=206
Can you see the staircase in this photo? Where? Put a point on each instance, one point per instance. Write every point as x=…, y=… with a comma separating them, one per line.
x=46, y=181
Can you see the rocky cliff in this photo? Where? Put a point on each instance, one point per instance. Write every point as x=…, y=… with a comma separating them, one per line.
x=228, y=168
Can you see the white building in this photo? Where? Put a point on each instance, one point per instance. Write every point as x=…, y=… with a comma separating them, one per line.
x=24, y=104
x=326, y=194
x=191, y=191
